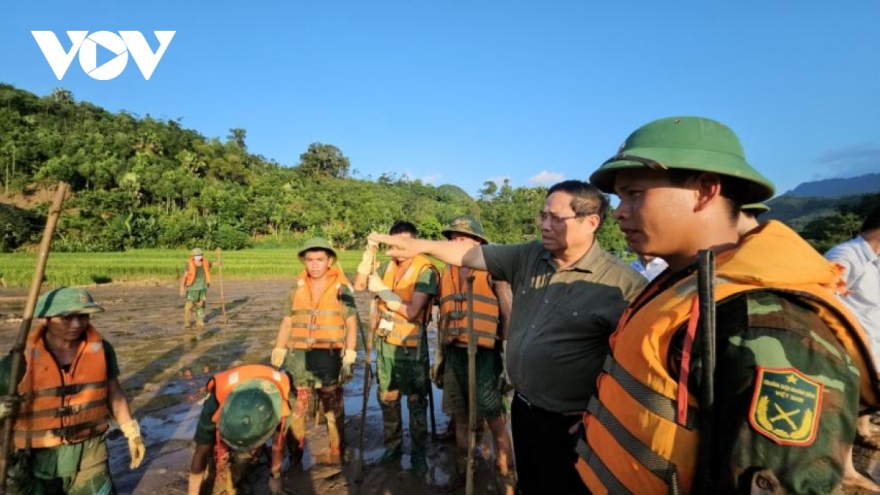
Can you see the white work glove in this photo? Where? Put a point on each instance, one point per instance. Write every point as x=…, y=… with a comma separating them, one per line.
x=278, y=355
x=377, y=286
x=346, y=373
x=9, y=406
x=365, y=267
x=136, y=447
x=195, y=483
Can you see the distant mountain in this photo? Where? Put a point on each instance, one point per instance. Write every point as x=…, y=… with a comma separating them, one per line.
x=812, y=200
x=836, y=188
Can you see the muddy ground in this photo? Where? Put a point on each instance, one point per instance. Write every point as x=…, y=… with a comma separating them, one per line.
x=164, y=368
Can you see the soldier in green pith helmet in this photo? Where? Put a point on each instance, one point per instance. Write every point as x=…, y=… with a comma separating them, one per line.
x=247, y=406
x=792, y=363
x=69, y=393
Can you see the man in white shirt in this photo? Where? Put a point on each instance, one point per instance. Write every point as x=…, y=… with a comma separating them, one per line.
x=859, y=258
x=649, y=266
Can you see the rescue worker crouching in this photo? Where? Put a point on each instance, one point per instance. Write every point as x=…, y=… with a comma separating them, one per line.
x=247, y=405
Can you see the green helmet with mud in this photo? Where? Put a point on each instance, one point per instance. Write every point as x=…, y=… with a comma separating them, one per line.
x=66, y=301
x=467, y=225
x=686, y=143
x=250, y=414
x=317, y=243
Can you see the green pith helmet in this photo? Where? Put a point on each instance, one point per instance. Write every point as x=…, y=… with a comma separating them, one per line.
x=250, y=414
x=317, y=243
x=196, y=252
x=755, y=208
x=467, y=225
x=689, y=143
x=66, y=301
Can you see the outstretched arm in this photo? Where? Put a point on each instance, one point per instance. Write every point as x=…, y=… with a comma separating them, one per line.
x=453, y=253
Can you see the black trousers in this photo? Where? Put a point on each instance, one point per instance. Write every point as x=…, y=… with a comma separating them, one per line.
x=544, y=451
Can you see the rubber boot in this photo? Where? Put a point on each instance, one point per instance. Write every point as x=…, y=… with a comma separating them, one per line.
x=296, y=437
x=187, y=313
x=418, y=431
x=200, y=315
x=335, y=429
x=393, y=430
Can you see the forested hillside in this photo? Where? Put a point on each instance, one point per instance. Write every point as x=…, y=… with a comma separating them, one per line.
x=141, y=182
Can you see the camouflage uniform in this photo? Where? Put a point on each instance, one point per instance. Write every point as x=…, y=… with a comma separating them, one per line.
x=239, y=471
x=404, y=369
x=196, y=292
x=790, y=361
x=80, y=468
x=74, y=469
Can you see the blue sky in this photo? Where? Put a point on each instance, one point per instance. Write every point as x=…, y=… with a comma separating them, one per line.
x=461, y=92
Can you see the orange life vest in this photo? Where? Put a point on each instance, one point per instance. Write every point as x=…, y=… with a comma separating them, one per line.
x=454, y=308
x=221, y=385
x=394, y=328
x=62, y=407
x=641, y=432
x=318, y=324
x=224, y=383
x=191, y=271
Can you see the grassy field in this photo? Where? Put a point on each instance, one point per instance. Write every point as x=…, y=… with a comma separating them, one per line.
x=157, y=265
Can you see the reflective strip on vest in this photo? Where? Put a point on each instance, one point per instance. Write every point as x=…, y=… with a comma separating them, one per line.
x=661, y=406
x=652, y=461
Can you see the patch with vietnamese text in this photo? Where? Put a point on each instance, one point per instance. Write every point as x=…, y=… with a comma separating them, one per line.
x=786, y=406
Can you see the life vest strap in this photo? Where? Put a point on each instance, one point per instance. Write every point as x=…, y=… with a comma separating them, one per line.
x=315, y=312
x=662, y=406
x=657, y=464
x=64, y=390
x=459, y=296
x=62, y=411
x=606, y=477
x=94, y=427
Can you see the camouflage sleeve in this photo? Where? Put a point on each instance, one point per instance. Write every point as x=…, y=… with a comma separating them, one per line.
x=349, y=308
x=206, y=430
x=288, y=304
x=112, y=362
x=786, y=396
x=427, y=282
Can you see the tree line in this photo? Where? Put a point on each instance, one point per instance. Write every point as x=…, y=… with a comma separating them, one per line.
x=141, y=182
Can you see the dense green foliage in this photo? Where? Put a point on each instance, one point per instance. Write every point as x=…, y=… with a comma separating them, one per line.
x=147, y=183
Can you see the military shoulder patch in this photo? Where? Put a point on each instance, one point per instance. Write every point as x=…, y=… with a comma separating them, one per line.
x=786, y=406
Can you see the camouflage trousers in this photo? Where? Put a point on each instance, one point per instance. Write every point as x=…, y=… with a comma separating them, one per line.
x=455, y=382
x=80, y=469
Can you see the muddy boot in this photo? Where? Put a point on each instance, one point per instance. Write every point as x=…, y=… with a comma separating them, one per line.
x=200, y=315
x=335, y=429
x=418, y=431
x=187, y=313
x=393, y=430
x=296, y=436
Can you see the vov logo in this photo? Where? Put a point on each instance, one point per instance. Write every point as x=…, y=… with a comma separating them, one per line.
x=86, y=45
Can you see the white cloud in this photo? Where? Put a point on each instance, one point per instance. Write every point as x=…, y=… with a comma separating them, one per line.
x=498, y=179
x=546, y=178
x=431, y=179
